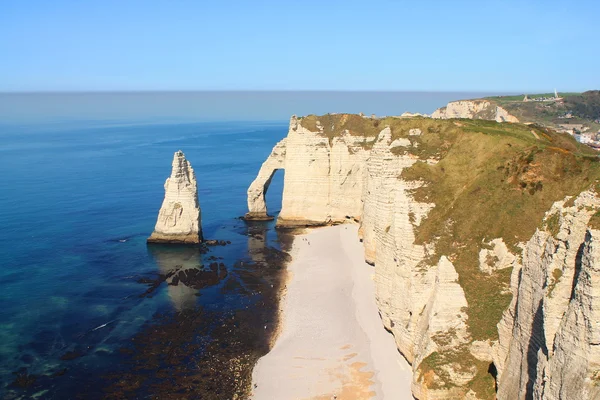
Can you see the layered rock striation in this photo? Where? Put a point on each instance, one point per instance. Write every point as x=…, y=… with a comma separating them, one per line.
x=549, y=343
x=179, y=218
x=484, y=270
x=323, y=177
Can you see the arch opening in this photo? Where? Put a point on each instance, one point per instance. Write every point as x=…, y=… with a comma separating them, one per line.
x=257, y=207
x=273, y=192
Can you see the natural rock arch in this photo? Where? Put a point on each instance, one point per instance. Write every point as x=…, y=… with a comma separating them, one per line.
x=257, y=207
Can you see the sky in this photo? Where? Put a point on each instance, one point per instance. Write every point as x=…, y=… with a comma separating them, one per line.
x=139, y=45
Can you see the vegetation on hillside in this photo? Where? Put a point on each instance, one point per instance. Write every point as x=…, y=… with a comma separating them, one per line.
x=335, y=125
x=507, y=99
x=587, y=105
x=576, y=108
x=493, y=180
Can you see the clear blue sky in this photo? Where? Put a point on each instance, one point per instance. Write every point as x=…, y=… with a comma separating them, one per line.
x=310, y=45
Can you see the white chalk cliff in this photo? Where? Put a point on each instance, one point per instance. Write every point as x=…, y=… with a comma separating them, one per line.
x=547, y=340
x=474, y=109
x=257, y=208
x=179, y=218
x=548, y=347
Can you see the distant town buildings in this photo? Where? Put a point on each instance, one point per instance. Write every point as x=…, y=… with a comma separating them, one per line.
x=568, y=115
x=526, y=98
x=590, y=138
x=581, y=133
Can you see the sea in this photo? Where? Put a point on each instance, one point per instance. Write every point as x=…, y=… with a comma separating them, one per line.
x=88, y=310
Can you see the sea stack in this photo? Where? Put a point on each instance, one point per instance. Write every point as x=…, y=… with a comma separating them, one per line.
x=179, y=218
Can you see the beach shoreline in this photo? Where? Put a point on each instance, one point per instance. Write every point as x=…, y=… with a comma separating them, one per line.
x=330, y=342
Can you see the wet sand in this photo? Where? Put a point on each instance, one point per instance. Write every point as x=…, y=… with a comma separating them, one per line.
x=331, y=342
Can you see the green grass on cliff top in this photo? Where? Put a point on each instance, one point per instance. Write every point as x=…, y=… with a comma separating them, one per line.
x=492, y=180
x=335, y=124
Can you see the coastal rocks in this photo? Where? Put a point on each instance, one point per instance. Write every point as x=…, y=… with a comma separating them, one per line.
x=323, y=177
x=257, y=208
x=179, y=218
x=474, y=109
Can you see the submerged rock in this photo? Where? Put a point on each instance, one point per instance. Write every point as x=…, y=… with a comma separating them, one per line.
x=179, y=218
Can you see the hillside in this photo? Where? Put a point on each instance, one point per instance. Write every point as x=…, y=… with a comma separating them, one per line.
x=575, y=109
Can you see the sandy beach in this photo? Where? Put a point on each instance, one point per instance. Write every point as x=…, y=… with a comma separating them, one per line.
x=332, y=344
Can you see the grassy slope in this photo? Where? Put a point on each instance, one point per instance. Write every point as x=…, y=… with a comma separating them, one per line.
x=493, y=180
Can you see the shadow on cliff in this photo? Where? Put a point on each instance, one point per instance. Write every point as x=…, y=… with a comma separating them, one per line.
x=537, y=342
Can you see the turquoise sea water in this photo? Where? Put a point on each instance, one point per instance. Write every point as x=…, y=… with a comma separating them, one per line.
x=81, y=182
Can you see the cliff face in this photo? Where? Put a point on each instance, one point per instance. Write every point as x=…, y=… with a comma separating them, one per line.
x=257, y=208
x=474, y=109
x=179, y=219
x=323, y=177
x=448, y=212
x=549, y=349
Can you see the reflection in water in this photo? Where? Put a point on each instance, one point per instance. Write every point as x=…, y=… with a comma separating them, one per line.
x=213, y=341
x=173, y=259
x=257, y=242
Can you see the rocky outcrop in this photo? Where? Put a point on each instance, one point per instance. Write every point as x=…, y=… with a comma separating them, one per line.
x=257, y=208
x=574, y=370
x=441, y=329
x=474, y=109
x=179, y=218
x=545, y=347
x=323, y=178
x=503, y=115
x=495, y=257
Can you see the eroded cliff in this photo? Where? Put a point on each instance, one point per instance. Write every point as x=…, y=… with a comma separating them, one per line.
x=454, y=216
x=179, y=218
x=474, y=109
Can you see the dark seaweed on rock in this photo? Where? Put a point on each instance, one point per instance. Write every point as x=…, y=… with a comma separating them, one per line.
x=206, y=353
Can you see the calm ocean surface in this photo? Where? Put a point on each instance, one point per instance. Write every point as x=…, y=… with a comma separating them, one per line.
x=81, y=182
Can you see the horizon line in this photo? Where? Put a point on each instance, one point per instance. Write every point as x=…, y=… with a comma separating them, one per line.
x=140, y=91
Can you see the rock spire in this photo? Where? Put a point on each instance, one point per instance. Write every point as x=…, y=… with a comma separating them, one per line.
x=179, y=218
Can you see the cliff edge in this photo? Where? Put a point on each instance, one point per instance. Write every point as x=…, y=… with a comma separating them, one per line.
x=179, y=218
x=477, y=232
